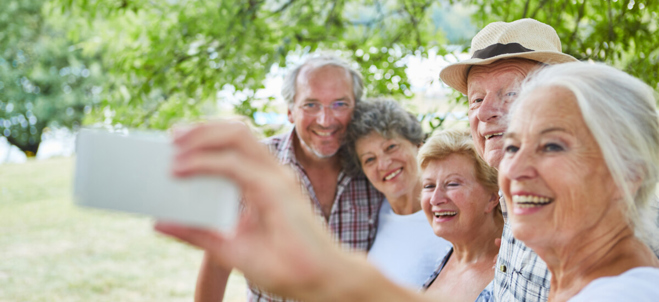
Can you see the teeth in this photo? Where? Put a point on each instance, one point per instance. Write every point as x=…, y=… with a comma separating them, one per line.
x=444, y=214
x=393, y=174
x=493, y=134
x=323, y=133
x=527, y=201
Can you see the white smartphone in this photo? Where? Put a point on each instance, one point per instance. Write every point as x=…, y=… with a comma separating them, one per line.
x=131, y=172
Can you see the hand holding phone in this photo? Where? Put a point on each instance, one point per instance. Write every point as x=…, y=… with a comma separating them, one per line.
x=131, y=172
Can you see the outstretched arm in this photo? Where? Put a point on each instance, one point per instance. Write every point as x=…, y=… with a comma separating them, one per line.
x=278, y=244
x=211, y=281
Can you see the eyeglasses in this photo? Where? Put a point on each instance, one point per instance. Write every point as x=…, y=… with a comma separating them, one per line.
x=338, y=107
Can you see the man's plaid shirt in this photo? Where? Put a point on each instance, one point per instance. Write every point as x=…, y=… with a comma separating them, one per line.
x=520, y=274
x=353, y=219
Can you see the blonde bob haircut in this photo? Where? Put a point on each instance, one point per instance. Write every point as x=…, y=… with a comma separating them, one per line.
x=443, y=144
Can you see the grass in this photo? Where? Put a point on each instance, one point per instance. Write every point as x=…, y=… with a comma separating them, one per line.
x=52, y=250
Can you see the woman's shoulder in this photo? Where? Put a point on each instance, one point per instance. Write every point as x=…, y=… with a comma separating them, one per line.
x=637, y=284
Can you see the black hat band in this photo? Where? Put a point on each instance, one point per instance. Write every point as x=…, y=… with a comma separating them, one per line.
x=499, y=49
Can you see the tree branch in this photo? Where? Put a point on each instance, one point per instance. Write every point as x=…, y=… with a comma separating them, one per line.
x=537, y=9
x=576, y=25
x=283, y=7
x=526, y=8
x=330, y=15
x=610, y=19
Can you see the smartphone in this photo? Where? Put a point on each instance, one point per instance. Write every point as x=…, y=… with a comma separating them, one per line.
x=130, y=171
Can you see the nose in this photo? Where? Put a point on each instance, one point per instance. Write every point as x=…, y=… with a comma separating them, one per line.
x=492, y=107
x=520, y=166
x=325, y=117
x=438, y=197
x=383, y=162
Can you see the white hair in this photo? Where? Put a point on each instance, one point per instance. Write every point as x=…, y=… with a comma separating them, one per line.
x=620, y=112
x=288, y=88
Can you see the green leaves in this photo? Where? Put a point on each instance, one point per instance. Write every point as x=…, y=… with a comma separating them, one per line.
x=622, y=33
x=45, y=79
x=150, y=64
x=163, y=56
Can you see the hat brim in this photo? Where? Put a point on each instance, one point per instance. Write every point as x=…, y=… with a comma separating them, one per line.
x=455, y=75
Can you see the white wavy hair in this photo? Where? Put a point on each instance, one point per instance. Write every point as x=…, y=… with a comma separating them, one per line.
x=620, y=111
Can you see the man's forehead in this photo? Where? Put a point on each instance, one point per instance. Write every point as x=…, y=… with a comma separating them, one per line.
x=508, y=70
x=323, y=83
x=310, y=71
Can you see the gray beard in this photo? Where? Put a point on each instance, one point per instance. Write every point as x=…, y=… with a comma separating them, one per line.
x=316, y=153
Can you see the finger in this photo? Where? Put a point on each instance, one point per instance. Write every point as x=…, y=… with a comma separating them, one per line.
x=220, y=135
x=258, y=182
x=181, y=129
x=227, y=163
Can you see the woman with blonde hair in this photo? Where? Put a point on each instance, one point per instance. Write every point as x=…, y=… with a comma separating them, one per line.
x=461, y=201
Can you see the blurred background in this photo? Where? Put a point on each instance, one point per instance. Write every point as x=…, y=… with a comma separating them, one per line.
x=65, y=64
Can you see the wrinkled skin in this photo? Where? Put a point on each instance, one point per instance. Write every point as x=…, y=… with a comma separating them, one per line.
x=491, y=90
x=550, y=153
x=321, y=135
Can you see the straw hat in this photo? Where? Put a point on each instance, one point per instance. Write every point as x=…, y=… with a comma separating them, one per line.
x=525, y=38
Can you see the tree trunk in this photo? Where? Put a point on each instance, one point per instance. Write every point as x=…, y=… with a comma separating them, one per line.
x=30, y=150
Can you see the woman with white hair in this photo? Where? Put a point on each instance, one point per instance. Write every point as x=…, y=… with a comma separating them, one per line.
x=579, y=175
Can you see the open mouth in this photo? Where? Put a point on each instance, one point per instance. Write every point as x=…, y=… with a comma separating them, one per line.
x=392, y=174
x=445, y=214
x=530, y=201
x=498, y=134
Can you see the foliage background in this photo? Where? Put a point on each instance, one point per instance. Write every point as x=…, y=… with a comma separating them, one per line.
x=149, y=64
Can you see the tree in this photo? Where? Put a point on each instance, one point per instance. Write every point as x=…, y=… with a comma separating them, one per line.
x=44, y=81
x=622, y=33
x=168, y=59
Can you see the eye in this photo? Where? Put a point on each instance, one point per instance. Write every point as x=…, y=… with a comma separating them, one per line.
x=369, y=160
x=309, y=106
x=552, y=147
x=511, y=94
x=340, y=105
x=428, y=186
x=510, y=148
x=452, y=184
x=475, y=103
x=391, y=147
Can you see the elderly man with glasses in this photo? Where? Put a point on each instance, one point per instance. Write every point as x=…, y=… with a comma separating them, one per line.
x=321, y=94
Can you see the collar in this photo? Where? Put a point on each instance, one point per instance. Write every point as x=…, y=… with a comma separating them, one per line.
x=286, y=150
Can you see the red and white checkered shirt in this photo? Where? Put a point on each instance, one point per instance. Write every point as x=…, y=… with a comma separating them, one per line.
x=353, y=219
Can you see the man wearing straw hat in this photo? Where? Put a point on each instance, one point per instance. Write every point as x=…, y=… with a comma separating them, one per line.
x=503, y=54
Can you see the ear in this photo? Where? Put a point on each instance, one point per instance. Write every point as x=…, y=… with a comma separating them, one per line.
x=492, y=203
x=633, y=185
x=290, y=116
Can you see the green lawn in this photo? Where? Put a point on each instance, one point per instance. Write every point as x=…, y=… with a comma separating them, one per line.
x=52, y=250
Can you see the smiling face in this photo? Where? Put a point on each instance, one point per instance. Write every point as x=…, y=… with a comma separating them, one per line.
x=491, y=90
x=321, y=134
x=554, y=178
x=389, y=164
x=455, y=203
